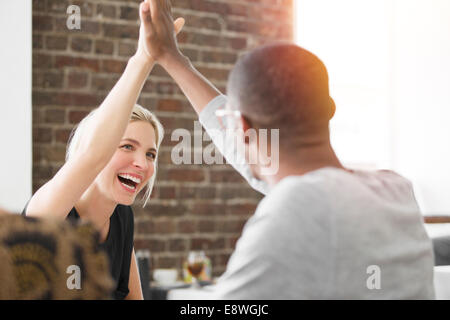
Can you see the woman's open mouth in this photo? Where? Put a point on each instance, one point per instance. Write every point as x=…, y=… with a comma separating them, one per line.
x=128, y=182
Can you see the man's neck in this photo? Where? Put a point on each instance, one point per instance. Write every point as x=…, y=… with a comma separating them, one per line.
x=303, y=161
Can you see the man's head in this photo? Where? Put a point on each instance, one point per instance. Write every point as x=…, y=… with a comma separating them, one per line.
x=282, y=86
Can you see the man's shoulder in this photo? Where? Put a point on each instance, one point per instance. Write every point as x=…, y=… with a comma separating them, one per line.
x=295, y=191
x=295, y=201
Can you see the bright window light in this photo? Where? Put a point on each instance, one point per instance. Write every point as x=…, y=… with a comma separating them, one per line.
x=389, y=68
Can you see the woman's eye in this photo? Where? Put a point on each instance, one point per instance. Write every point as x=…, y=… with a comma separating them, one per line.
x=151, y=156
x=127, y=146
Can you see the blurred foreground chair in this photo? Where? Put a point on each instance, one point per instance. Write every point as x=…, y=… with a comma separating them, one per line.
x=40, y=258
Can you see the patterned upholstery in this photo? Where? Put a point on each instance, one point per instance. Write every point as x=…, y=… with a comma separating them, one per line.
x=35, y=255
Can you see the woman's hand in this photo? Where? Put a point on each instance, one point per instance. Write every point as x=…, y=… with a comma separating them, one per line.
x=157, y=34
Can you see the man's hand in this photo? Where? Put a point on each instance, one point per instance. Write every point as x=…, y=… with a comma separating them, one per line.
x=157, y=34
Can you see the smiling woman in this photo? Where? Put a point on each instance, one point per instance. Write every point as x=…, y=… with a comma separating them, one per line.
x=110, y=158
x=145, y=126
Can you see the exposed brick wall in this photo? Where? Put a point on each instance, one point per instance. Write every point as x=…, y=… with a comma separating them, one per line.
x=193, y=206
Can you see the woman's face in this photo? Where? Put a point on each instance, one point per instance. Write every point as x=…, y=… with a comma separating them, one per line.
x=131, y=166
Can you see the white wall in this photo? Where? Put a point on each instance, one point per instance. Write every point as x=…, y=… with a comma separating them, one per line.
x=422, y=99
x=15, y=117
x=389, y=66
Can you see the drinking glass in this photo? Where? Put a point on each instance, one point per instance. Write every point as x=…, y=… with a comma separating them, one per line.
x=195, y=264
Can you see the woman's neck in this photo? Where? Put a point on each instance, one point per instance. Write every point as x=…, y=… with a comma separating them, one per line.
x=94, y=207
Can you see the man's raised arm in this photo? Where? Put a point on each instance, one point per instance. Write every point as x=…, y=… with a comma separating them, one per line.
x=162, y=45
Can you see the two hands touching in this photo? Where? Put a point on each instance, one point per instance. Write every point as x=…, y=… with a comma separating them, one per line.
x=158, y=30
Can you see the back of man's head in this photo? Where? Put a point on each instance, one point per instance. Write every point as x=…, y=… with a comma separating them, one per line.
x=282, y=86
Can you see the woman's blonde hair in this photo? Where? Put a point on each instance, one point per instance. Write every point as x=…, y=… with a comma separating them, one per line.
x=139, y=113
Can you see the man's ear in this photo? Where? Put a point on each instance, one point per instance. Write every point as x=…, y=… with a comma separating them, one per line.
x=332, y=108
x=245, y=124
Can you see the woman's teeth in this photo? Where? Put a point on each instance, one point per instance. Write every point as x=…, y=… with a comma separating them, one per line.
x=129, y=187
x=127, y=176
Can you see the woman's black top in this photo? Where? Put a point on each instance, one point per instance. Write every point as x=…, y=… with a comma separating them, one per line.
x=118, y=246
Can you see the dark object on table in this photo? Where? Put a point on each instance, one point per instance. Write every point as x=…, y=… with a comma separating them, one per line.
x=143, y=261
x=441, y=246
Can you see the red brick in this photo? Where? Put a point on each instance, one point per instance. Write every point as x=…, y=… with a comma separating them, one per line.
x=170, y=105
x=231, y=241
x=129, y=13
x=246, y=209
x=87, y=9
x=127, y=49
x=214, y=73
x=56, y=43
x=231, y=226
x=55, y=116
x=239, y=10
x=120, y=31
x=219, y=57
x=42, y=61
x=57, y=6
x=81, y=44
x=197, y=192
x=201, y=22
x=168, y=262
x=106, y=11
x=77, y=62
x=208, y=209
x=192, y=54
x=54, y=154
x=39, y=5
x=159, y=210
x=62, y=135
x=104, y=47
x=205, y=226
x=176, y=122
x=238, y=193
x=76, y=99
x=202, y=243
x=103, y=83
x=185, y=175
x=77, y=80
x=224, y=176
x=48, y=79
x=42, y=135
x=42, y=172
x=113, y=66
x=159, y=72
x=151, y=227
x=42, y=23
x=177, y=245
x=237, y=43
x=167, y=192
x=38, y=41
x=186, y=226
x=166, y=88
x=76, y=116
x=152, y=244
x=202, y=39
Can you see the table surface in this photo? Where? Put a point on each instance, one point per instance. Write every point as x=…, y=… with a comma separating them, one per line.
x=190, y=293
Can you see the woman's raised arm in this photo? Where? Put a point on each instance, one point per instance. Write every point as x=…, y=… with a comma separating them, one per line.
x=57, y=197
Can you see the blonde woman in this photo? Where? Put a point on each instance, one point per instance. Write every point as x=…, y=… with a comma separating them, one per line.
x=110, y=159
